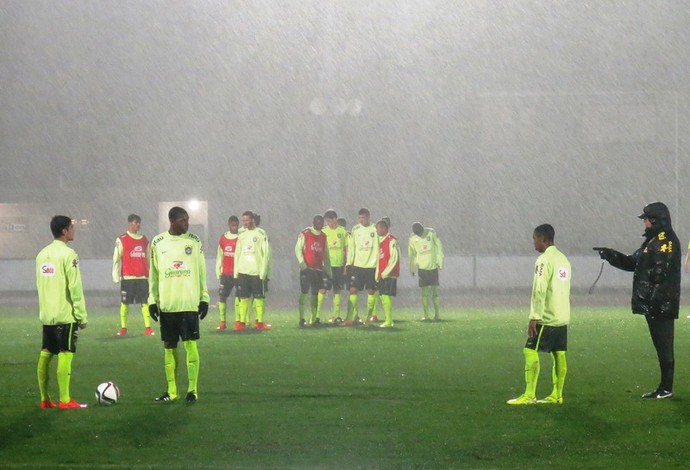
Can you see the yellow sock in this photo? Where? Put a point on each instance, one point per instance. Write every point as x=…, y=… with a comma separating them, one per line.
x=43, y=372
x=124, y=310
x=192, y=365
x=64, y=374
x=531, y=372
x=171, y=371
x=222, y=306
x=146, y=315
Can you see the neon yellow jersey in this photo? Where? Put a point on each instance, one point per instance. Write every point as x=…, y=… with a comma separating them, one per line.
x=425, y=252
x=177, y=276
x=551, y=289
x=336, y=238
x=363, y=249
x=58, y=281
x=253, y=253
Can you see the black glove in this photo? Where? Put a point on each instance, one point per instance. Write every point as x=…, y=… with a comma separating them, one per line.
x=203, y=310
x=605, y=253
x=153, y=311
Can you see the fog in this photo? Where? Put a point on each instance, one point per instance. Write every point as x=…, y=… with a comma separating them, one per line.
x=480, y=118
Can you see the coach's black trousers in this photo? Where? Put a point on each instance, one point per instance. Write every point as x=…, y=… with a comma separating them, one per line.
x=662, y=332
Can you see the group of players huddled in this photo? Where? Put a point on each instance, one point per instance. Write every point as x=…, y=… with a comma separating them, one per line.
x=329, y=257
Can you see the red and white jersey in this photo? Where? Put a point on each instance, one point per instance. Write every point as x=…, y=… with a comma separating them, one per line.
x=314, y=249
x=389, y=258
x=226, y=254
x=134, y=263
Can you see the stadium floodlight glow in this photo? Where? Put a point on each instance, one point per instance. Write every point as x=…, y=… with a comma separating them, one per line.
x=194, y=205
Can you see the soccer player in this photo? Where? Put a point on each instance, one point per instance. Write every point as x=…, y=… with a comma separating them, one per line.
x=131, y=270
x=362, y=258
x=62, y=310
x=314, y=270
x=656, y=287
x=337, y=238
x=252, y=268
x=425, y=254
x=548, y=319
x=225, y=267
x=387, y=269
x=178, y=293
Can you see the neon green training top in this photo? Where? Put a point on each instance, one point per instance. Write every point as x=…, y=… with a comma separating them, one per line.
x=177, y=274
x=336, y=238
x=58, y=281
x=551, y=289
x=425, y=252
x=253, y=253
x=363, y=249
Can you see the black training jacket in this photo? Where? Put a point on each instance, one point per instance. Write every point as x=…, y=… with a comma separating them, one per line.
x=656, y=279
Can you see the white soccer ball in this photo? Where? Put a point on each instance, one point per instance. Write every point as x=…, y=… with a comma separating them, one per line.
x=107, y=393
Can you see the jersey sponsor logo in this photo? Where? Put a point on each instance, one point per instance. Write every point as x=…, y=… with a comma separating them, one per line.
x=187, y=250
x=316, y=247
x=75, y=262
x=662, y=235
x=667, y=247
x=47, y=269
x=563, y=274
x=137, y=252
x=228, y=251
x=178, y=269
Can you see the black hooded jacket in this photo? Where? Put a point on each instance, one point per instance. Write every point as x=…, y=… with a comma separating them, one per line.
x=656, y=266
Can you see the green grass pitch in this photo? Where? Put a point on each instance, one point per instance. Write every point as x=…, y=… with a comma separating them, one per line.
x=424, y=395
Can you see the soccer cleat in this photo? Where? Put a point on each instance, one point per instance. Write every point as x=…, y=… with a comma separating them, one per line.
x=71, y=405
x=47, y=404
x=551, y=400
x=302, y=323
x=190, y=398
x=386, y=325
x=659, y=393
x=165, y=397
x=437, y=317
x=522, y=400
x=239, y=326
x=373, y=318
x=122, y=332
x=425, y=318
x=222, y=326
x=261, y=326
x=317, y=322
x=346, y=323
x=149, y=332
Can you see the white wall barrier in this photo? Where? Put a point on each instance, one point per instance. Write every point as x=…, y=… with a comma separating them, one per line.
x=465, y=272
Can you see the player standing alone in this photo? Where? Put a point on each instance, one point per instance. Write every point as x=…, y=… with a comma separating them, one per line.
x=387, y=270
x=314, y=270
x=225, y=270
x=179, y=294
x=62, y=310
x=548, y=319
x=131, y=270
x=425, y=254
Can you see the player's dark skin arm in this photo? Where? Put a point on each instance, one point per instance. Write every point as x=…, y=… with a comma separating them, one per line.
x=532, y=329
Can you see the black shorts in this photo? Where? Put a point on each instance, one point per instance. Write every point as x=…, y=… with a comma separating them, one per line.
x=248, y=286
x=60, y=338
x=134, y=291
x=428, y=277
x=338, y=279
x=363, y=278
x=312, y=279
x=179, y=326
x=226, y=284
x=388, y=286
x=549, y=339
